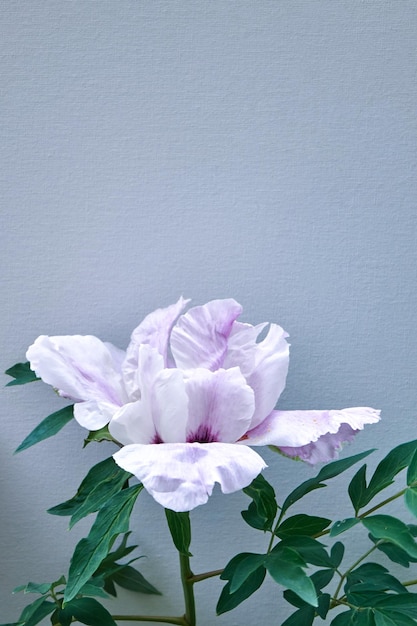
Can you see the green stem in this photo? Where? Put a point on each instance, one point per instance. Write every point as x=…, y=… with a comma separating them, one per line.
x=196, y=578
x=352, y=567
x=383, y=503
x=408, y=583
x=161, y=619
x=187, y=585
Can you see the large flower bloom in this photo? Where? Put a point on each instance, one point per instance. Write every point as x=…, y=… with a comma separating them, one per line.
x=188, y=399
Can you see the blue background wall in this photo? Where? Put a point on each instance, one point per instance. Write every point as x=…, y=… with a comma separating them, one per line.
x=262, y=150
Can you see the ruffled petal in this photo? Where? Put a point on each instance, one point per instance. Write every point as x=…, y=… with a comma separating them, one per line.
x=182, y=476
x=79, y=367
x=199, y=339
x=299, y=428
x=154, y=331
x=94, y=415
x=325, y=449
x=264, y=364
x=133, y=424
x=221, y=405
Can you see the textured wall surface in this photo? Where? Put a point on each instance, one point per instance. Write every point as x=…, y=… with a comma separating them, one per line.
x=264, y=150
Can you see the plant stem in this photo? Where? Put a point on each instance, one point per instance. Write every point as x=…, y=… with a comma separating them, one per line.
x=352, y=567
x=187, y=585
x=150, y=618
x=383, y=503
x=408, y=583
x=195, y=578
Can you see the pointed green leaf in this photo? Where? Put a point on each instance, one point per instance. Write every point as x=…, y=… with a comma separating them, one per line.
x=284, y=567
x=402, y=603
x=357, y=488
x=336, y=554
x=244, y=568
x=21, y=373
x=395, y=461
x=391, y=529
x=129, y=578
x=412, y=470
x=61, y=617
x=392, y=618
x=104, y=472
x=410, y=498
x=36, y=612
x=252, y=517
x=328, y=471
x=111, y=520
x=41, y=588
x=343, y=619
x=98, y=435
x=373, y=577
x=345, y=524
x=307, y=525
x=180, y=529
x=89, y=611
x=229, y=601
x=263, y=496
x=393, y=552
x=94, y=587
x=322, y=578
x=50, y=426
x=303, y=617
x=311, y=550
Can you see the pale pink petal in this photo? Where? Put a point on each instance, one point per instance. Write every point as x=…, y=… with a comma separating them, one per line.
x=299, y=428
x=94, y=415
x=170, y=406
x=264, y=364
x=79, y=367
x=154, y=331
x=199, y=339
x=325, y=449
x=221, y=405
x=133, y=424
x=182, y=476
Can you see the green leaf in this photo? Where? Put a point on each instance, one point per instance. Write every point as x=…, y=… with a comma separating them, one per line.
x=336, y=554
x=307, y=525
x=42, y=588
x=357, y=488
x=246, y=565
x=94, y=587
x=285, y=567
x=373, y=577
x=111, y=520
x=395, y=461
x=393, y=552
x=311, y=550
x=229, y=601
x=410, y=498
x=328, y=471
x=412, y=470
x=343, y=619
x=324, y=605
x=405, y=603
x=36, y=612
x=391, y=529
x=345, y=524
x=264, y=503
x=50, y=426
x=322, y=578
x=98, y=435
x=61, y=617
x=21, y=373
x=392, y=618
x=180, y=529
x=89, y=611
x=252, y=517
x=303, y=617
x=104, y=472
x=129, y=578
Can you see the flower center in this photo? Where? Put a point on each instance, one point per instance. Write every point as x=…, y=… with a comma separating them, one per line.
x=203, y=434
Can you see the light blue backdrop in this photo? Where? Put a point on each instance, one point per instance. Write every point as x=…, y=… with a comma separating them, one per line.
x=262, y=150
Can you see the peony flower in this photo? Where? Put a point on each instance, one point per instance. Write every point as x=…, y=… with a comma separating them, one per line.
x=190, y=397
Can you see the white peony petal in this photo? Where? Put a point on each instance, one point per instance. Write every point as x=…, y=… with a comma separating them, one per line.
x=80, y=367
x=325, y=449
x=94, y=415
x=199, y=338
x=133, y=424
x=221, y=405
x=153, y=331
x=299, y=428
x=182, y=476
x=264, y=364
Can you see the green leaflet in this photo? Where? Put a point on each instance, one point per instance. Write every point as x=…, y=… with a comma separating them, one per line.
x=112, y=520
x=307, y=525
x=180, y=529
x=89, y=611
x=21, y=373
x=286, y=568
x=263, y=508
x=229, y=601
x=328, y=471
x=50, y=426
x=129, y=578
x=391, y=529
x=345, y=524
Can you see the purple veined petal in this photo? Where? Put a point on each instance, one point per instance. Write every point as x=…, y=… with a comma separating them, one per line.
x=325, y=449
x=295, y=429
x=264, y=364
x=154, y=331
x=79, y=367
x=182, y=476
x=199, y=338
x=133, y=423
x=221, y=405
x=94, y=415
